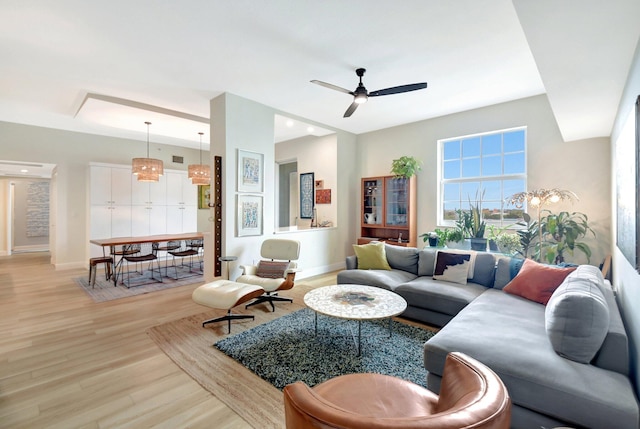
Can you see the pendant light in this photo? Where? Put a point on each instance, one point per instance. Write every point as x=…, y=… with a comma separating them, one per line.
x=200, y=174
x=147, y=169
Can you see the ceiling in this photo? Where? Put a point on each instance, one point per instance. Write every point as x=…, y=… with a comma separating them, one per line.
x=175, y=56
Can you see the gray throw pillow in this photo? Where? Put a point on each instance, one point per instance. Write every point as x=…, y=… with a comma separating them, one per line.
x=402, y=258
x=577, y=318
x=426, y=261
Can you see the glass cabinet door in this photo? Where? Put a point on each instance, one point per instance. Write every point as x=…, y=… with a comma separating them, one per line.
x=372, y=204
x=397, y=201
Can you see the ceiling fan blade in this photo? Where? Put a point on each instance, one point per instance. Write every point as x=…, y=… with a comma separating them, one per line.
x=398, y=89
x=350, y=110
x=331, y=86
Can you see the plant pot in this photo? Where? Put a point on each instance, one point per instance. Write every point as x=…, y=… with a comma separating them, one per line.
x=464, y=244
x=493, y=246
x=479, y=244
x=433, y=242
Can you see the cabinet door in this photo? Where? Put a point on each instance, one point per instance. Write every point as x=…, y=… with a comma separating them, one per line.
x=121, y=221
x=372, y=202
x=139, y=192
x=174, y=219
x=100, y=221
x=397, y=201
x=121, y=186
x=100, y=186
x=140, y=220
x=174, y=188
x=190, y=219
x=189, y=193
x=158, y=191
x=157, y=220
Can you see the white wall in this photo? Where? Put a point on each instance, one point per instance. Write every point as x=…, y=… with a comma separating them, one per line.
x=238, y=123
x=625, y=277
x=581, y=166
x=72, y=152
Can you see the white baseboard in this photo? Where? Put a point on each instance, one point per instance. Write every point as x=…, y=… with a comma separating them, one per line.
x=31, y=248
x=4, y=253
x=316, y=271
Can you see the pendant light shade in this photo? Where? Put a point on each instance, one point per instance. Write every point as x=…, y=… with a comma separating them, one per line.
x=200, y=174
x=147, y=169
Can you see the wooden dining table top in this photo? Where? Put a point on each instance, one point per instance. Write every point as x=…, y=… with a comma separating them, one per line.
x=116, y=241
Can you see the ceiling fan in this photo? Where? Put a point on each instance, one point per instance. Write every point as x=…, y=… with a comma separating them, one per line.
x=361, y=95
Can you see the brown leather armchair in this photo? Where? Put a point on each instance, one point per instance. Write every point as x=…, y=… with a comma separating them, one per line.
x=471, y=396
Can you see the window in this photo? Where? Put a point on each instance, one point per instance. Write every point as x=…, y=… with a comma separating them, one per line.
x=490, y=167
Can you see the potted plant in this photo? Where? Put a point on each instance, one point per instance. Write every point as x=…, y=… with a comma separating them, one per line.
x=561, y=234
x=405, y=167
x=509, y=243
x=432, y=237
x=476, y=224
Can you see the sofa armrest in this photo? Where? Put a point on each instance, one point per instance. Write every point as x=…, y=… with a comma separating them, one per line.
x=352, y=262
x=248, y=270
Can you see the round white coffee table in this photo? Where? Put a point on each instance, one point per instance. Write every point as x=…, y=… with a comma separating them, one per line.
x=355, y=302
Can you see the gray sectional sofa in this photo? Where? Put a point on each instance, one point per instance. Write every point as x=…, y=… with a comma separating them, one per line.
x=518, y=338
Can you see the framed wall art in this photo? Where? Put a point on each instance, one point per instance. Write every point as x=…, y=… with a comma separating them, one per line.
x=627, y=189
x=306, y=195
x=250, y=171
x=249, y=218
x=323, y=196
x=204, y=196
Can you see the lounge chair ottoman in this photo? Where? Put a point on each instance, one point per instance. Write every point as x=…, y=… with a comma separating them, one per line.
x=224, y=295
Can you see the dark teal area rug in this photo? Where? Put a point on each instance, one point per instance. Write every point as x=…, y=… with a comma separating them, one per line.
x=286, y=350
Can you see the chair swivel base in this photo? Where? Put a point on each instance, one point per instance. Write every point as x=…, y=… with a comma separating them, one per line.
x=228, y=317
x=270, y=298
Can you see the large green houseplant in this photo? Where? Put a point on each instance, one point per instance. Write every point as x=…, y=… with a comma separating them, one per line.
x=405, y=167
x=561, y=234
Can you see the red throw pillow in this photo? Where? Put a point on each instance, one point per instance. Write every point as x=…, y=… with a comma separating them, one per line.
x=272, y=269
x=537, y=282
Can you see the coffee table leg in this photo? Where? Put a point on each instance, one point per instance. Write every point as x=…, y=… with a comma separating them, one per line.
x=316, y=323
x=390, y=328
x=359, y=336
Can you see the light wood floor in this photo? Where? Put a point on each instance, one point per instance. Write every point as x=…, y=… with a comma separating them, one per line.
x=67, y=362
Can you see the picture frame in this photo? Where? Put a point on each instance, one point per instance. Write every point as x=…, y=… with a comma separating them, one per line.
x=319, y=184
x=307, y=200
x=250, y=171
x=249, y=215
x=323, y=196
x=627, y=191
x=204, y=196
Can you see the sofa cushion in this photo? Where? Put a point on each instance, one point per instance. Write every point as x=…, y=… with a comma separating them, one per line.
x=438, y=296
x=402, y=258
x=537, y=281
x=426, y=261
x=452, y=267
x=506, y=270
x=577, y=318
x=484, y=269
x=386, y=279
x=371, y=256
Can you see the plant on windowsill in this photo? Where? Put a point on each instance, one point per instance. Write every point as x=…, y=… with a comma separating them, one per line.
x=477, y=224
x=405, y=167
x=434, y=238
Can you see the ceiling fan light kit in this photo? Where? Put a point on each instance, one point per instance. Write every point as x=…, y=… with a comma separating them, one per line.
x=147, y=169
x=360, y=95
x=200, y=174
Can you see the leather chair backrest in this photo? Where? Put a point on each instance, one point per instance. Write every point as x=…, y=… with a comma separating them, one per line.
x=275, y=248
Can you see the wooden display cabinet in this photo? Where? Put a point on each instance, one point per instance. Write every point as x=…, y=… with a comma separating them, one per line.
x=388, y=210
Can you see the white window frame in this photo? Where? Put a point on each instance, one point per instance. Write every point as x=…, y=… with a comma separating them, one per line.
x=441, y=181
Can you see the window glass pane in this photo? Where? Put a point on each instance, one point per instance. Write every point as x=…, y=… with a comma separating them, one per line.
x=451, y=192
x=492, y=165
x=492, y=144
x=468, y=192
x=450, y=208
x=492, y=190
x=471, y=147
x=471, y=167
x=511, y=187
x=451, y=169
x=514, y=163
x=451, y=150
x=514, y=141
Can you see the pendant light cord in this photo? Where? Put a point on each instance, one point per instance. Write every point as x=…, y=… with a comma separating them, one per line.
x=148, y=123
